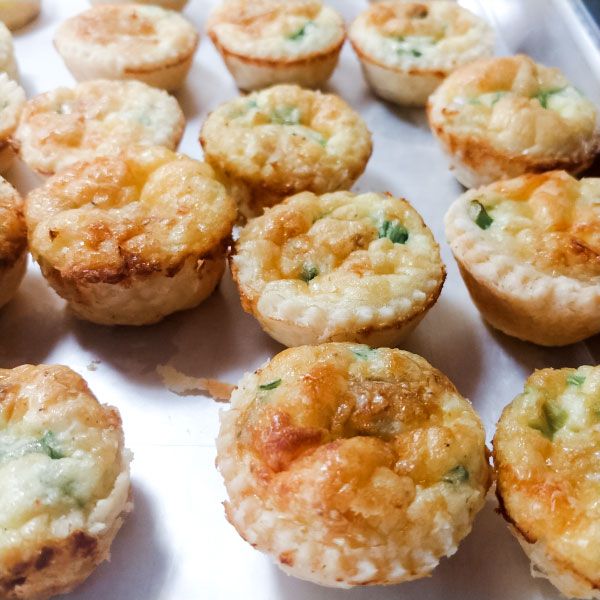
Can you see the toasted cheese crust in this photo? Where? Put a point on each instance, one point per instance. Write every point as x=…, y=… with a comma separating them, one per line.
x=17, y=13
x=67, y=125
x=170, y=4
x=12, y=100
x=285, y=140
x=505, y=116
x=338, y=267
x=546, y=456
x=352, y=466
x=129, y=41
x=64, y=481
x=130, y=239
x=529, y=249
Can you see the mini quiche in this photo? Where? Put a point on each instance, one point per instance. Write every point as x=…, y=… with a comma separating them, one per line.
x=338, y=268
x=12, y=100
x=68, y=125
x=17, y=13
x=8, y=63
x=64, y=481
x=13, y=241
x=264, y=42
x=170, y=4
x=283, y=140
x=352, y=466
x=547, y=460
x=130, y=239
x=129, y=41
x=502, y=117
x=529, y=252
x=407, y=48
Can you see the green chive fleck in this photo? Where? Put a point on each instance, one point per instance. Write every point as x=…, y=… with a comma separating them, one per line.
x=364, y=353
x=286, y=115
x=394, y=231
x=544, y=96
x=575, y=379
x=457, y=475
x=300, y=33
x=270, y=386
x=49, y=446
x=480, y=215
x=308, y=273
x=552, y=419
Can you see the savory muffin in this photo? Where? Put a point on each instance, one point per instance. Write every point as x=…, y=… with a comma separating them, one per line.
x=12, y=100
x=502, y=117
x=283, y=140
x=352, y=466
x=13, y=241
x=8, y=63
x=170, y=4
x=64, y=481
x=547, y=460
x=264, y=42
x=67, y=125
x=130, y=239
x=529, y=252
x=407, y=48
x=128, y=41
x=338, y=267
x=17, y=13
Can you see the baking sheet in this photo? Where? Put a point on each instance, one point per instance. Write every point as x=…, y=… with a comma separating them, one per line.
x=177, y=544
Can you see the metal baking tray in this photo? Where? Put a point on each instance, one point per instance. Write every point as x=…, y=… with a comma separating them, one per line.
x=177, y=544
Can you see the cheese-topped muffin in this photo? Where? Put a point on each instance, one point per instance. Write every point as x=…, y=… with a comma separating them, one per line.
x=284, y=140
x=529, y=252
x=501, y=117
x=17, y=13
x=407, y=48
x=12, y=100
x=129, y=41
x=13, y=241
x=338, y=267
x=170, y=4
x=547, y=460
x=8, y=63
x=68, y=125
x=64, y=481
x=264, y=42
x=352, y=466
x=130, y=239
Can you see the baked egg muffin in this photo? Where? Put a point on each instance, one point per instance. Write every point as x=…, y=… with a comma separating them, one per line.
x=502, y=117
x=547, y=460
x=8, y=62
x=264, y=42
x=12, y=100
x=407, y=48
x=341, y=267
x=283, y=140
x=131, y=239
x=529, y=252
x=170, y=4
x=64, y=481
x=350, y=465
x=68, y=125
x=13, y=241
x=17, y=13
x=128, y=41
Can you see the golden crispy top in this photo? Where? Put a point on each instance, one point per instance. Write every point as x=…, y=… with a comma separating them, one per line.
x=13, y=233
x=547, y=453
x=145, y=210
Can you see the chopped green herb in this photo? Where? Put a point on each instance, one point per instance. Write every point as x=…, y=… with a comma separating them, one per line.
x=286, y=115
x=364, y=353
x=552, y=419
x=251, y=104
x=575, y=379
x=480, y=215
x=308, y=273
x=270, y=386
x=457, y=475
x=300, y=33
x=544, y=96
x=394, y=231
x=50, y=446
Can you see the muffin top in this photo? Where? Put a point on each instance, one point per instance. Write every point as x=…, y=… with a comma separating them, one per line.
x=419, y=36
x=547, y=457
x=146, y=210
x=133, y=37
x=271, y=29
x=550, y=223
x=13, y=233
x=352, y=453
x=339, y=260
x=67, y=125
x=62, y=463
x=517, y=106
x=287, y=139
